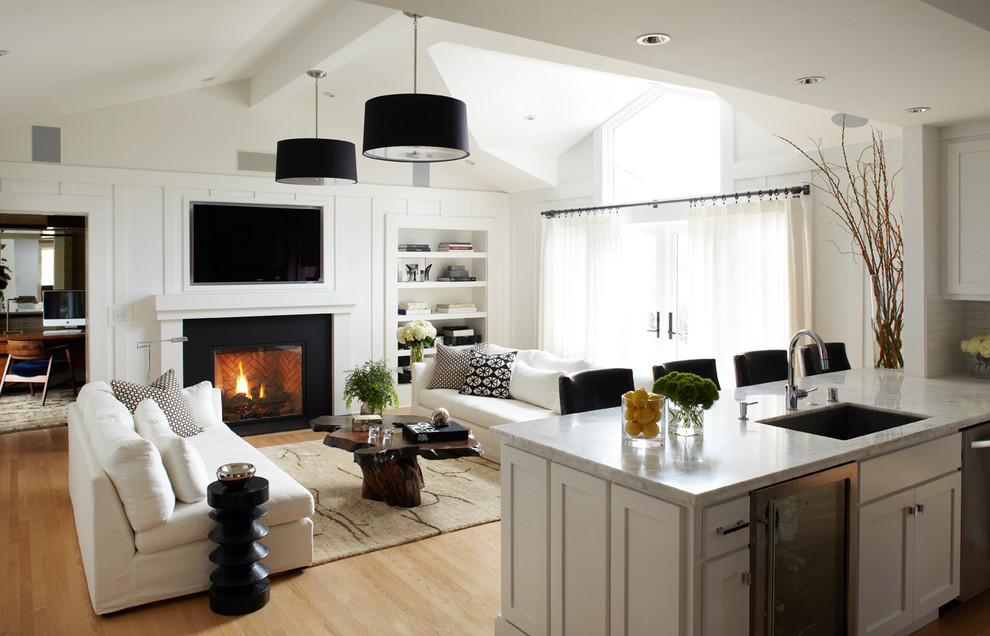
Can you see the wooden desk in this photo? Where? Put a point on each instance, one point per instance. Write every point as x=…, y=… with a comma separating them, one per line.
x=76, y=342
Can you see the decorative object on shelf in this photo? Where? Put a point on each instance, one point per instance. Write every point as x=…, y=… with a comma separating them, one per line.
x=315, y=161
x=236, y=475
x=863, y=192
x=415, y=127
x=412, y=272
x=977, y=349
x=426, y=272
x=642, y=418
x=372, y=384
x=416, y=335
x=688, y=397
x=440, y=417
x=239, y=583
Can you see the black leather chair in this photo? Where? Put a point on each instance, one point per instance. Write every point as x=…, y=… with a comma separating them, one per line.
x=811, y=362
x=757, y=367
x=593, y=389
x=704, y=367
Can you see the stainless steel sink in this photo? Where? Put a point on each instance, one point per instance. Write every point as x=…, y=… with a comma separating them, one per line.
x=843, y=421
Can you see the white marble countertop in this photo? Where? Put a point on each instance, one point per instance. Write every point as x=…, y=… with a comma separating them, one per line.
x=733, y=457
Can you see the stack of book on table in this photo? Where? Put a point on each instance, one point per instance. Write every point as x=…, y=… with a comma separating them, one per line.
x=450, y=246
x=414, y=247
x=459, y=335
x=414, y=309
x=456, y=308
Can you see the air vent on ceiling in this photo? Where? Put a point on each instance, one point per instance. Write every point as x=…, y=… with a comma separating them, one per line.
x=255, y=161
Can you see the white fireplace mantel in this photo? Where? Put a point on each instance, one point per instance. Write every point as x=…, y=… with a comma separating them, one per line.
x=172, y=309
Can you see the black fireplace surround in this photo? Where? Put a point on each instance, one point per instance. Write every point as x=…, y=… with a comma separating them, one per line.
x=314, y=331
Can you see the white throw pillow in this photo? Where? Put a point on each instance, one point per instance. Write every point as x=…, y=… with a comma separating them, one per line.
x=183, y=463
x=546, y=360
x=522, y=355
x=135, y=467
x=536, y=386
x=199, y=399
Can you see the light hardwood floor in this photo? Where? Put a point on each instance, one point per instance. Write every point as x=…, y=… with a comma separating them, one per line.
x=443, y=585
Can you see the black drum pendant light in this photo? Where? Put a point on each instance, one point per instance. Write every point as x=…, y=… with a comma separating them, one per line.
x=415, y=127
x=315, y=161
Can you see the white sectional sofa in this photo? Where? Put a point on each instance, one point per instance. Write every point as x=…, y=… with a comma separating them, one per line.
x=168, y=554
x=533, y=390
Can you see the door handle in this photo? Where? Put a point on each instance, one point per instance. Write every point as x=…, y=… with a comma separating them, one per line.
x=736, y=527
x=670, y=325
x=983, y=443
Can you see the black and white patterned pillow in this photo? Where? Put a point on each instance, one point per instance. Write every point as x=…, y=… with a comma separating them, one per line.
x=167, y=394
x=489, y=375
x=452, y=365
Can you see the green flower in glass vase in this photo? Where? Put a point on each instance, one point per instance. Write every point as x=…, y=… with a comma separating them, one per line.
x=692, y=395
x=416, y=334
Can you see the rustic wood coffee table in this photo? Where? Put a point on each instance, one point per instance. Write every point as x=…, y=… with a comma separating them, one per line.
x=391, y=472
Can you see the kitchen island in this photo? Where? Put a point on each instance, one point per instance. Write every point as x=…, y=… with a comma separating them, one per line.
x=600, y=537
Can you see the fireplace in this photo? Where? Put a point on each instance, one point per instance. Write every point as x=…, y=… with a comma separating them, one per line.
x=274, y=372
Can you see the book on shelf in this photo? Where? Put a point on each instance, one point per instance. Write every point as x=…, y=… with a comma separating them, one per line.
x=456, y=310
x=413, y=305
x=457, y=331
x=456, y=279
x=414, y=247
x=455, y=305
x=415, y=312
x=449, y=246
x=458, y=341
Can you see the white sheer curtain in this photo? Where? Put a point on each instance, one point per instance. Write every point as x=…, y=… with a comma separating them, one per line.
x=750, y=273
x=579, y=287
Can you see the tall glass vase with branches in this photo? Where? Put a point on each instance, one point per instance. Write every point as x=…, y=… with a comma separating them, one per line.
x=863, y=193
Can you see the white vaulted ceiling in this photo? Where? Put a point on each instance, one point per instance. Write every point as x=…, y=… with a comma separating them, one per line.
x=570, y=64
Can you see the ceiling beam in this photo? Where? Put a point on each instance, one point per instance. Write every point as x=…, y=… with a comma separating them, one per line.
x=348, y=33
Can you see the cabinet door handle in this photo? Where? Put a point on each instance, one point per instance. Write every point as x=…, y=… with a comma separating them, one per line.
x=920, y=508
x=746, y=578
x=736, y=527
x=912, y=511
x=983, y=443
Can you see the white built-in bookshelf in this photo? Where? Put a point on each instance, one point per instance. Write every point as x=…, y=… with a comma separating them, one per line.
x=431, y=231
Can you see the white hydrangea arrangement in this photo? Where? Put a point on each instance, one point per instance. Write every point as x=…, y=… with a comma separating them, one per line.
x=978, y=348
x=418, y=333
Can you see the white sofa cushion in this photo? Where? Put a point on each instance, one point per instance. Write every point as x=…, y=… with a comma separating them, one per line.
x=218, y=445
x=200, y=400
x=167, y=392
x=536, y=386
x=481, y=411
x=522, y=355
x=135, y=467
x=183, y=463
x=546, y=360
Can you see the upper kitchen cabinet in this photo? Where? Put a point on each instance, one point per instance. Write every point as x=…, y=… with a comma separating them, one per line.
x=967, y=206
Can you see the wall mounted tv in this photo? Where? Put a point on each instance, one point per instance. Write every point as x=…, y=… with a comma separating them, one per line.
x=241, y=244
x=63, y=308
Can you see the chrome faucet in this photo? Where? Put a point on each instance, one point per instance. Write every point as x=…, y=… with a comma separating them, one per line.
x=791, y=393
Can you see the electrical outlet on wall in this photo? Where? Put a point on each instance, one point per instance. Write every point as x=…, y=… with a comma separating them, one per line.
x=120, y=315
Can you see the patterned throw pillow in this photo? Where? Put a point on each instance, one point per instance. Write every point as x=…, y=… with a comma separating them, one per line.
x=452, y=365
x=489, y=376
x=167, y=394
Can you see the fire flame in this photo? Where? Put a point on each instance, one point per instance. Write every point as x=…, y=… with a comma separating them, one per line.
x=242, y=383
x=261, y=391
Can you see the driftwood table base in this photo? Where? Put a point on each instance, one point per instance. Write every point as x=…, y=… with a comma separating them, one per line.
x=391, y=472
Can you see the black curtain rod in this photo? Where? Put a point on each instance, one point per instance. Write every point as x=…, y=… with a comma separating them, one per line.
x=793, y=190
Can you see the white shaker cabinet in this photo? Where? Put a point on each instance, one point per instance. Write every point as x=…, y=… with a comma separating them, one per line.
x=909, y=541
x=967, y=220
x=581, y=555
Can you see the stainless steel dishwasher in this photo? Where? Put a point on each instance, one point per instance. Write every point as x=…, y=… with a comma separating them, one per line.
x=803, y=547
x=974, y=570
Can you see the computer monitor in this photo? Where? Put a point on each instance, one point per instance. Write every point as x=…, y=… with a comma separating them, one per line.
x=63, y=308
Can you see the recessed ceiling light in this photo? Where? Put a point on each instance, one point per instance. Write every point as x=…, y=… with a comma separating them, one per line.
x=918, y=109
x=4, y=52
x=329, y=94
x=849, y=121
x=653, y=39
x=529, y=117
x=469, y=162
x=208, y=79
x=810, y=79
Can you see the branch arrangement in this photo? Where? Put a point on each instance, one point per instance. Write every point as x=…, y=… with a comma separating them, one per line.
x=863, y=192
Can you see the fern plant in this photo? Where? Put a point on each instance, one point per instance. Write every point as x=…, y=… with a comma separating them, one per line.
x=372, y=384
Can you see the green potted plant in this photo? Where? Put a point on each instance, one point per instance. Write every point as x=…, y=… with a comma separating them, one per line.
x=691, y=396
x=371, y=384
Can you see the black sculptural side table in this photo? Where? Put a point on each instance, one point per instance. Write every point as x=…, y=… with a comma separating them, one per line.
x=240, y=584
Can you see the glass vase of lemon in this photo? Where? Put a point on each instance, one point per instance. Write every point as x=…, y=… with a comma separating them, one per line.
x=642, y=418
